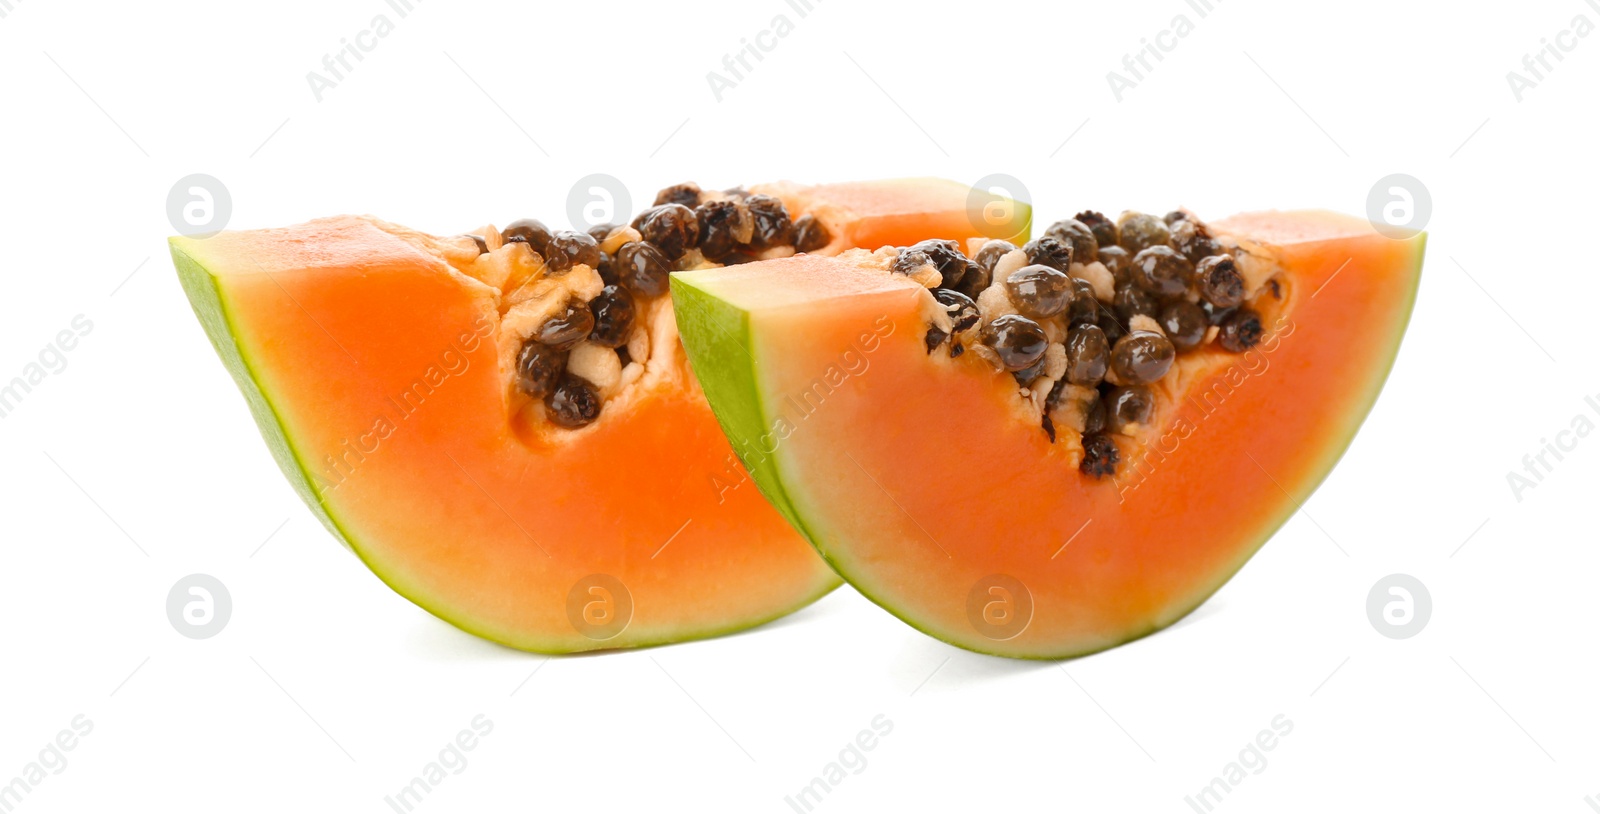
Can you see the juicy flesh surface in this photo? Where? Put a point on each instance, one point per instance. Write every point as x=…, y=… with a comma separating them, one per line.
x=380, y=365
x=912, y=477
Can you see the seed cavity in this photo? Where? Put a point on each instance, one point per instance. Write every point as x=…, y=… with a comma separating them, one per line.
x=1090, y=316
x=596, y=342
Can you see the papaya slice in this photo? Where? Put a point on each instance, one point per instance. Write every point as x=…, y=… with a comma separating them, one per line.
x=503, y=425
x=969, y=493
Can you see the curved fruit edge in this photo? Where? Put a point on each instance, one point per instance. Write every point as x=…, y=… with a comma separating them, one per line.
x=205, y=299
x=726, y=326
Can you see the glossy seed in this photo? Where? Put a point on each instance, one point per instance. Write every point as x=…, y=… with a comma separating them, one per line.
x=1240, y=331
x=608, y=269
x=990, y=253
x=1131, y=300
x=962, y=309
x=539, y=367
x=613, y=317
x=685, y=194
x=1019, y=342
x=910, y=261
x=980, y=273
x=724, y=227
x=810, y=235
x=934, y=337
x=1117, y=261
x=529, y=231
x=572, y=404
x=1074, y=233
x=1215, y=315
x=1161, y=271
x=1141, y=357
x=1192, y=240
x=1085, y=309
x=1088, y=354
x=1039, y=292
x=945, y=256
x=569, y=249
x=773, y=227
x=1114, y=326
x=1127, y=406
x=1104, y=228
x=600, y=231
x=480, y=242
x=1185, y=324
x=1218, y=281
x=672, y=228
x=1029, y=374
x=1095, y=419
x=1100, y=456
x=568, y=327
x=643, y=268
x=1138, y=231
x=1047, y=251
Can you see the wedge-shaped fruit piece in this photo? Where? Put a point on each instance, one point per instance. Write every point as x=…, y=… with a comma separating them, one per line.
x=503, y=425
x=1014, y=490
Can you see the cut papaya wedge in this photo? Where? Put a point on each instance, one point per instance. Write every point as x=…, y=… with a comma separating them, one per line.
x=931, y=477
x=503, y=426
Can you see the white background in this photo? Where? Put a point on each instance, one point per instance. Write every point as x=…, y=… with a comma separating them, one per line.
x=327, y=692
